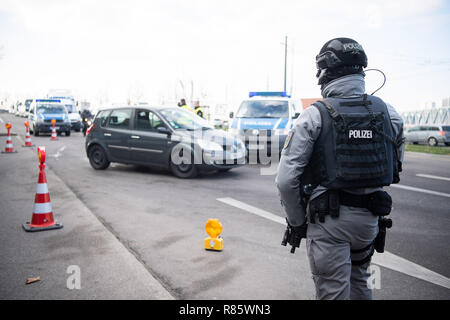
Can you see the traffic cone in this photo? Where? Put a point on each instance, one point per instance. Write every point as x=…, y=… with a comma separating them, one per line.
x=27, y=135
x=9, y=146
x=54, y=137
x=42, y=218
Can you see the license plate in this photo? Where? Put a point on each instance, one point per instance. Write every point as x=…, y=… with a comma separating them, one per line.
x=56, y=128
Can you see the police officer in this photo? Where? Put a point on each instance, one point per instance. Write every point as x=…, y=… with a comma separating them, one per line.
x=345, y=147
x=198, y=109
x=183, y=105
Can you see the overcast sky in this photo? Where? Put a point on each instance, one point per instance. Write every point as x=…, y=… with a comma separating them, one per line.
x=146, y=49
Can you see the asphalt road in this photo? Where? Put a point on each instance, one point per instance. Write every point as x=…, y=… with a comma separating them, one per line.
x=160, y=220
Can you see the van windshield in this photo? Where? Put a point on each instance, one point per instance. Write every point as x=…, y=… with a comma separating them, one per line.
x=50, y=108
x=263, y=109
x=70, y=108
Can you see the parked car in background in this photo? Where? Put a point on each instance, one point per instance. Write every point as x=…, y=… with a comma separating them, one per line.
x=16, y=108
x=24, y=108
x=432, y=135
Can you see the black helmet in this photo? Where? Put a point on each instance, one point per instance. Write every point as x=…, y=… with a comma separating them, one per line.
x=339, y=57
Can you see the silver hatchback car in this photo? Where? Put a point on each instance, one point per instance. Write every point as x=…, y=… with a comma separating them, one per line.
x=429, y=134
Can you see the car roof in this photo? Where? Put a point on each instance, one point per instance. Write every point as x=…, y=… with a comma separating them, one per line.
x=148, y=107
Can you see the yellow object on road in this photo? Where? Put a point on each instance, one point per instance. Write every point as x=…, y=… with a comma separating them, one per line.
x=214, y=242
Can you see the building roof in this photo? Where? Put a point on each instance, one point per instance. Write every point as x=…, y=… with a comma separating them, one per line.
x=308, y=101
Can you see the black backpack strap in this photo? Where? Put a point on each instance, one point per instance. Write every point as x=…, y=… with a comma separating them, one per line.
x=336, y=116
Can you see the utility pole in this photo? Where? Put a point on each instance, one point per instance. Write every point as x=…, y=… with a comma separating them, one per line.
x=285, y=61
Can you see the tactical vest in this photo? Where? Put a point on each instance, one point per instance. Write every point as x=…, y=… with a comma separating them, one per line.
x=356, y=147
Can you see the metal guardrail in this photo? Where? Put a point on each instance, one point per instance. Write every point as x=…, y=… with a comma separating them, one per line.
x=427, y=116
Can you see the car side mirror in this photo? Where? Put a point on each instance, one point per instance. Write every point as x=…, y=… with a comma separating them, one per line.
x=296, y=115
x=231, y=114
x=164, y=130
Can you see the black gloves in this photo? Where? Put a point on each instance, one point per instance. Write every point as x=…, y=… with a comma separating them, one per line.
x=293, y=235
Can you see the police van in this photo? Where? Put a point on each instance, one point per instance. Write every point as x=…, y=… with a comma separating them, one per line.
x=263, y=118
x=43, y=111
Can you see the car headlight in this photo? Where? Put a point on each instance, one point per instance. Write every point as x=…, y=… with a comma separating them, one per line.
x=209, y=145
x=240, y=144
x=281, y=132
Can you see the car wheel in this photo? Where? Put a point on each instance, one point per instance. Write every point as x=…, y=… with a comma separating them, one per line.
x=186, y=169
x=77, y=130
x=447, y=143
x=98, y=158
x=36, y=133
x=67, y=133
x=432, y=142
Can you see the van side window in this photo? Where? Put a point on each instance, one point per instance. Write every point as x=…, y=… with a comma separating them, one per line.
x=147, y=121
x=120, y=119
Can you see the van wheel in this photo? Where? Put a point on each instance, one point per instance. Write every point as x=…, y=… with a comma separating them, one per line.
x=98, y=158
x=186, y=169
x=432, y=142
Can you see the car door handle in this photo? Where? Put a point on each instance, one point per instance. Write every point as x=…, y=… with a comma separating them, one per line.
x=107, y=134
x=135, y=137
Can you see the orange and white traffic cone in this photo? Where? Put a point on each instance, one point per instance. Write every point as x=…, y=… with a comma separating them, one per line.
x=54, y=137
x=27, y=135
x=9, y=146
x=42, y=218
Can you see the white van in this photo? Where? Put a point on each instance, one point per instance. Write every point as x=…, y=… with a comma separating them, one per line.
x=74, y=116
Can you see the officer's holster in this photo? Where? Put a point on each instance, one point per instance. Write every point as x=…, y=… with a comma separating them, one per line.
x=328, y=203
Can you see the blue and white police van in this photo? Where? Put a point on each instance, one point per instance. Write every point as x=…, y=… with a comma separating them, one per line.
x=41, y=113
x=262, y=118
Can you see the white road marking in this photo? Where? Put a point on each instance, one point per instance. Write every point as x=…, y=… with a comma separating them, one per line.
x=59, y=152
x=1, y=120
x=386, y=259
x=254, y=210
x=399, y=186
x=394, y=262
x=432, y=177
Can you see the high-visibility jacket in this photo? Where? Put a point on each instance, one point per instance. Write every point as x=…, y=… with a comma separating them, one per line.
x=199, y=111
x=187, y=108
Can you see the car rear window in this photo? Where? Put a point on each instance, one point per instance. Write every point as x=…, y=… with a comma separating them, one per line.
x=120, y=119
